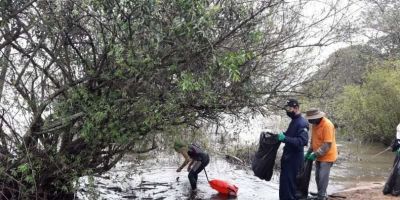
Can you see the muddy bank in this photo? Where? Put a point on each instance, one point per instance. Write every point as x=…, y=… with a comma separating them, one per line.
x=365, y=191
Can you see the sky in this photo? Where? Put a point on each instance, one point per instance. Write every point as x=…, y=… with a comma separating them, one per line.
x=349, y=12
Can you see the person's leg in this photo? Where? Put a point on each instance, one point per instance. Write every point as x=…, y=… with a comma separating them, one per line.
x=287, y=180
x=323, y=179
x=196, y=177
x=317, y=171
x=197, y=167
x=283, y=184
x=192, y=179
x=200, y=165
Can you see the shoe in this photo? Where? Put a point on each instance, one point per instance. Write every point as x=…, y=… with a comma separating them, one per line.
x=193, y=193
x=322, y=198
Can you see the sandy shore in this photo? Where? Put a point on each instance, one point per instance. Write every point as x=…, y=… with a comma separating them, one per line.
x=364, y=191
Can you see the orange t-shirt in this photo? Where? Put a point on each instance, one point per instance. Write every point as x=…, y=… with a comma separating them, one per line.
x=321, y=133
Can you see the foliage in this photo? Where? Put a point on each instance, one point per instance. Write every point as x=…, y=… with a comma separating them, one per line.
x=345, y=66
x=381, y=21
x=370, y=111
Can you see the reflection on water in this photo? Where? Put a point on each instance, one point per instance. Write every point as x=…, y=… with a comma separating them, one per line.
x=157, y=179
x=357, y=163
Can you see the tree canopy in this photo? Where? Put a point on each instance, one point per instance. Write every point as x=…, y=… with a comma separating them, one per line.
x=370, y=111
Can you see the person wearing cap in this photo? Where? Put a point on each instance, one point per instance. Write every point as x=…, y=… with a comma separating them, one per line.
x=323, y=148
x=295, y=138
x=193, y=155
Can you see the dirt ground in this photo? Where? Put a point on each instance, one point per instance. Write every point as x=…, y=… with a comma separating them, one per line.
x=366, y=191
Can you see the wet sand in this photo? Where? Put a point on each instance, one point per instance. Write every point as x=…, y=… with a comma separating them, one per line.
x=364, y=191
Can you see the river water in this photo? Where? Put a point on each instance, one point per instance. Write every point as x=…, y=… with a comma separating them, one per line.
x=155, y=178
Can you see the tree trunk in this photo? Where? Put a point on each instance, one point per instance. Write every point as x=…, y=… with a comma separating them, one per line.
x=12, y=189
x=4, y=67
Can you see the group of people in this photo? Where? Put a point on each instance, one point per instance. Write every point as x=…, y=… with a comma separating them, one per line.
x=322, y=150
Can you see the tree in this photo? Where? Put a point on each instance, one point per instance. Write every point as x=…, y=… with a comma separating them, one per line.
x=346, y=66
x=4, y=67
x=91, y=79
x=10, y=30
x=382, y=25
x=369, y=111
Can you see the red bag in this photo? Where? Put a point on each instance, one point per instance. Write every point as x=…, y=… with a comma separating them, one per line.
x=224, y=187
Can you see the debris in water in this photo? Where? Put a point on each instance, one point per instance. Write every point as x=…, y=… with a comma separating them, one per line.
x=116, y=189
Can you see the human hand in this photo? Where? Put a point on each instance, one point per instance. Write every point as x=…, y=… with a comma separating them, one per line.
x=312, y=156
x=306, y=155
x=179, y=170
x=281, y=137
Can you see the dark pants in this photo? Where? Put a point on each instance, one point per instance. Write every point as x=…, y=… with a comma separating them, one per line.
x=290, y=165
x=197, y=167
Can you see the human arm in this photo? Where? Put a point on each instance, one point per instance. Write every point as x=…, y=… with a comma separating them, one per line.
x=321, y=151
x=184, y=153
x=300, y=140
x=190, y=165
x=309, y=151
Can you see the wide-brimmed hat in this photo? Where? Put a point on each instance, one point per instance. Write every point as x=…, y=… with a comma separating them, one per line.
x=314, y=113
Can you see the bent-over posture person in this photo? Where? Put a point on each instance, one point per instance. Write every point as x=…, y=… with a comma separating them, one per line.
x=197, y=158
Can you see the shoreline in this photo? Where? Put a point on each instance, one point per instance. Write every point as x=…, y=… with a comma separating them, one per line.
x=365, y=191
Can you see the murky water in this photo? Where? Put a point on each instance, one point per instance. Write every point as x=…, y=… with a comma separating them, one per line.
x=156, y=178
x=357, y=163
x=159, y=180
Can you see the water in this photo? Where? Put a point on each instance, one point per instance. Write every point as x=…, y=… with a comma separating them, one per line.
x=357, y=164
x=156, y=178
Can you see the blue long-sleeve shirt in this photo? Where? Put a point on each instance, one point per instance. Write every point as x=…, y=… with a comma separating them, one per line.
x=296, y=135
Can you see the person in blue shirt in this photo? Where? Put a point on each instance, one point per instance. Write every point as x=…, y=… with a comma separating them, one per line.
x=295, y=138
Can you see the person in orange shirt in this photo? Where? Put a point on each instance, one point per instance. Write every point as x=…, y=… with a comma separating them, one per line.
x=323, y=148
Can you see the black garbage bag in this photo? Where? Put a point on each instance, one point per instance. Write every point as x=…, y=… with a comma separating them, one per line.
x=392, y=185
x=264, y=159
x=303, y=180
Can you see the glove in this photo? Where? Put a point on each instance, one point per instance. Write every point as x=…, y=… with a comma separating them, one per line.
x=307, y=154
x=398, y=152
x=281, y=137
x=312, y=156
